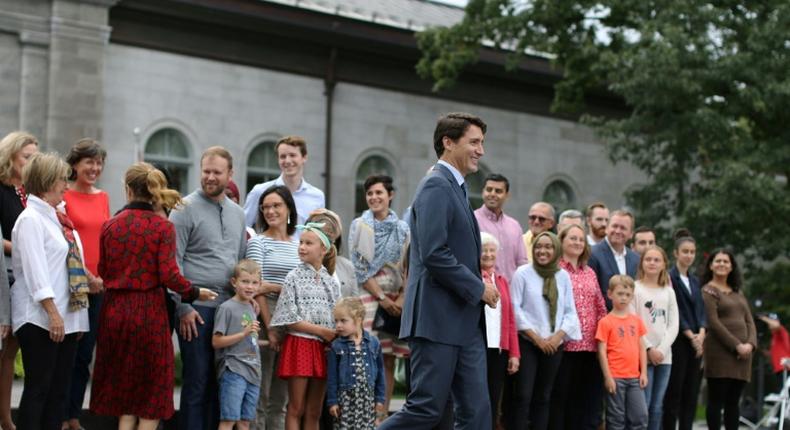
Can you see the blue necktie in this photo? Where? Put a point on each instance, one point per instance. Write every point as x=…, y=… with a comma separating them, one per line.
x=466, y=193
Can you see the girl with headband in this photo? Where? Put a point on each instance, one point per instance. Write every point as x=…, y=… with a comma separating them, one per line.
x=305, y=307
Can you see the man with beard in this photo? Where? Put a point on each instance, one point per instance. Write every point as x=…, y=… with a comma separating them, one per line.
x=210, y=240
x=505, y=229
x=597, y=219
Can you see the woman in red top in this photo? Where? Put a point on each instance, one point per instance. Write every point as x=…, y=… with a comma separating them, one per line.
x=578, y=390
x=133, y=377
x=503, y=356
x=88, y=208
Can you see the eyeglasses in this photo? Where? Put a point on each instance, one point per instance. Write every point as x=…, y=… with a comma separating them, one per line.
x=275, y=206
x=538, y=218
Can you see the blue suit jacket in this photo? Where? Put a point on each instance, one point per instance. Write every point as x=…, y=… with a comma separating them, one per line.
x=690, y=306
x=604, y=265
x=445, y=287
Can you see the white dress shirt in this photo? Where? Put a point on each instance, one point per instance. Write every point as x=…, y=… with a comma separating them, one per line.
x=38, y=256
x=307, y=199
x=619, y=258
x=532, y=310
x=493, y=322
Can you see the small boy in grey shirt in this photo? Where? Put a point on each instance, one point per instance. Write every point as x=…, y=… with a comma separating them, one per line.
x=236, y=340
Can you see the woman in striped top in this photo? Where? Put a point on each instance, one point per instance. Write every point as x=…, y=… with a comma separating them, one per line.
x=275, y=250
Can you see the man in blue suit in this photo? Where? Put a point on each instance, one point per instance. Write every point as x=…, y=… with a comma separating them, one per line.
x=611, y=257
x=443, y=311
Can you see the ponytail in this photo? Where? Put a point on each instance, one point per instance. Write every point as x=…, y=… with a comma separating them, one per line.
x=149, y=184
x=161, y=196
x=330, y=259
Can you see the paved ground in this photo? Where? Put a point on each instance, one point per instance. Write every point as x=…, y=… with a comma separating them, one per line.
x=395, y=405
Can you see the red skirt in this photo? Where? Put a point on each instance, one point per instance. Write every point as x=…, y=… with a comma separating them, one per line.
x=302, y=357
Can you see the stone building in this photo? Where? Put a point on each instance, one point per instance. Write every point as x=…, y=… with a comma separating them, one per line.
x=161, y=80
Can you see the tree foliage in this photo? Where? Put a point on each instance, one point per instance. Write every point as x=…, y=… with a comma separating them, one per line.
x=707, y=89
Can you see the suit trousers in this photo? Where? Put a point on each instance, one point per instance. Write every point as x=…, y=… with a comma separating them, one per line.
x=437, y=370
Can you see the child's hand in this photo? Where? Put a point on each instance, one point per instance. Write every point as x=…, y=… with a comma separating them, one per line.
x=327, y=334
x=654, y=356
x=253, y=326
x=206, y=295
x=334, y=410
x=274, y=340
x=643, y=381
x=611, y=387
x=381, y=413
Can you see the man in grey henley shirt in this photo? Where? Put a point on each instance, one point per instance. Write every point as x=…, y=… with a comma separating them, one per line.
x=211, y=239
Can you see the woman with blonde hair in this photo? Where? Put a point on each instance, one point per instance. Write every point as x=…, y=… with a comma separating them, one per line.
x=49, y=299
x=133, y=376
x=16, y=148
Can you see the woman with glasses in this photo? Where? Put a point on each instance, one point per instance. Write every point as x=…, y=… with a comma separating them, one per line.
x=276, y=251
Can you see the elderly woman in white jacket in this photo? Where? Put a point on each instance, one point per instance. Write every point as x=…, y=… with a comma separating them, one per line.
x=50, y=296
x=546, y=318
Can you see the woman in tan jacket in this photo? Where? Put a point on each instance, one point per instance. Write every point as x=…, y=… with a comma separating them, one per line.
x=731, y=339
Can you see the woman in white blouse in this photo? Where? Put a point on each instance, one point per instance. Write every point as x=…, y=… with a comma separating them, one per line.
x=546, y=318
x=48, y=306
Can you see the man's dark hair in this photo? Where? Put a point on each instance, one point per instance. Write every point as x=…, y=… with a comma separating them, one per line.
x=496, y=177
x=644, y=229
x=454, y=125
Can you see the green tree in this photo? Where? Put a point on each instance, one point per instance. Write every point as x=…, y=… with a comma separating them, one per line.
x=707, y=90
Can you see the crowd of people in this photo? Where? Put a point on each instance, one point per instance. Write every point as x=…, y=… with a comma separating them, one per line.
x=582, y=313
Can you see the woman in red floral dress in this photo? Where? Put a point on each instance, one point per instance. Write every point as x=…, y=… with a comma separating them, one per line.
x=134, y=372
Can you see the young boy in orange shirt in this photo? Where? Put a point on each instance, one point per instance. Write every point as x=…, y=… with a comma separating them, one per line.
x=623, y=359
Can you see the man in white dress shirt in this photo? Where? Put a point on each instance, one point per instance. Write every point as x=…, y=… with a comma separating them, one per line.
x=291, y=156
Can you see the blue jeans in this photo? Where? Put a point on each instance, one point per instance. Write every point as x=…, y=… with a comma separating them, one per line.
x=199, y=407
x=81, y=373
x=237, y=397
x=657, y=381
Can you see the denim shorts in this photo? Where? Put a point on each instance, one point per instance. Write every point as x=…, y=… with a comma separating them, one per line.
x=237, y=397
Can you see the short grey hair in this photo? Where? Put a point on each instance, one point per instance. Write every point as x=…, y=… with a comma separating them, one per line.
x=486, y=238
x=570, y=213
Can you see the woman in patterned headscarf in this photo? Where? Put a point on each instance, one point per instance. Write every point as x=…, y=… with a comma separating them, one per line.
x=377, y=242
x=546, y=318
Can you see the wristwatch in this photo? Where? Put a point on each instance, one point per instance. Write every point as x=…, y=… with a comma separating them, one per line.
x=381, y=297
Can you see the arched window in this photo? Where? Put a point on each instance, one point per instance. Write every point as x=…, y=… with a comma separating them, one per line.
x=560, y=194
x=475, y=183
x=169, y=150
x=262, y=164
x=371, y=165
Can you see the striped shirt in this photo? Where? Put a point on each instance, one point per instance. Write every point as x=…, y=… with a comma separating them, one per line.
x=275, y=257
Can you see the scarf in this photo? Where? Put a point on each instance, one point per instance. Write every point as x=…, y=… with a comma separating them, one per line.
x=315, y=227
x=380, y=242
x=547, y=272
x=78, y=279
x=22, y=194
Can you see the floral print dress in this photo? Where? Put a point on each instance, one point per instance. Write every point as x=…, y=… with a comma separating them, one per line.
x=357, y=405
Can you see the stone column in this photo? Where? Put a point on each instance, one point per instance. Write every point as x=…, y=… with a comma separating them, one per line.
x=78, y=39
